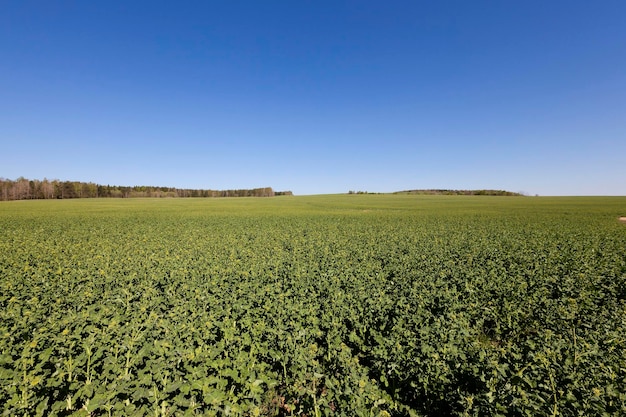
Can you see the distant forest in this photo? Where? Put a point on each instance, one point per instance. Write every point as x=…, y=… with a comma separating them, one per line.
x=25, y=189
x=460, y=192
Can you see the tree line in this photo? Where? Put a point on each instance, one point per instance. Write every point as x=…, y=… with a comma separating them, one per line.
x=460, y=192
x=25, y=189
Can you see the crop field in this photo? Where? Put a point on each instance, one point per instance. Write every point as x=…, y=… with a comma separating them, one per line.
x=345, y=305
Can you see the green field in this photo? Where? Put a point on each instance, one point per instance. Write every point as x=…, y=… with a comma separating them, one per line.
x=369, y=305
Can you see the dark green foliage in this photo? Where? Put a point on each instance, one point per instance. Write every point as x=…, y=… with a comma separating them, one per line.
x=23, y=189
x=461, y=192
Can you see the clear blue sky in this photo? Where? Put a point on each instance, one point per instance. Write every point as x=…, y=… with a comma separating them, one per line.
x=317, y=96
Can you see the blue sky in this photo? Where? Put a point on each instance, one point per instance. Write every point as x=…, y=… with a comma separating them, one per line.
x=317, y=96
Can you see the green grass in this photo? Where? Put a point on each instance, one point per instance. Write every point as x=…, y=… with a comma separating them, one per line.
x=324, y=204
x=316, y=305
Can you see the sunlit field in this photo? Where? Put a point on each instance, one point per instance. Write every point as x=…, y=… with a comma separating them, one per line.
x=368, y=305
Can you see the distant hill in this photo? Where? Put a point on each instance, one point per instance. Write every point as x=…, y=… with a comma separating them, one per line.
x=460, y=192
